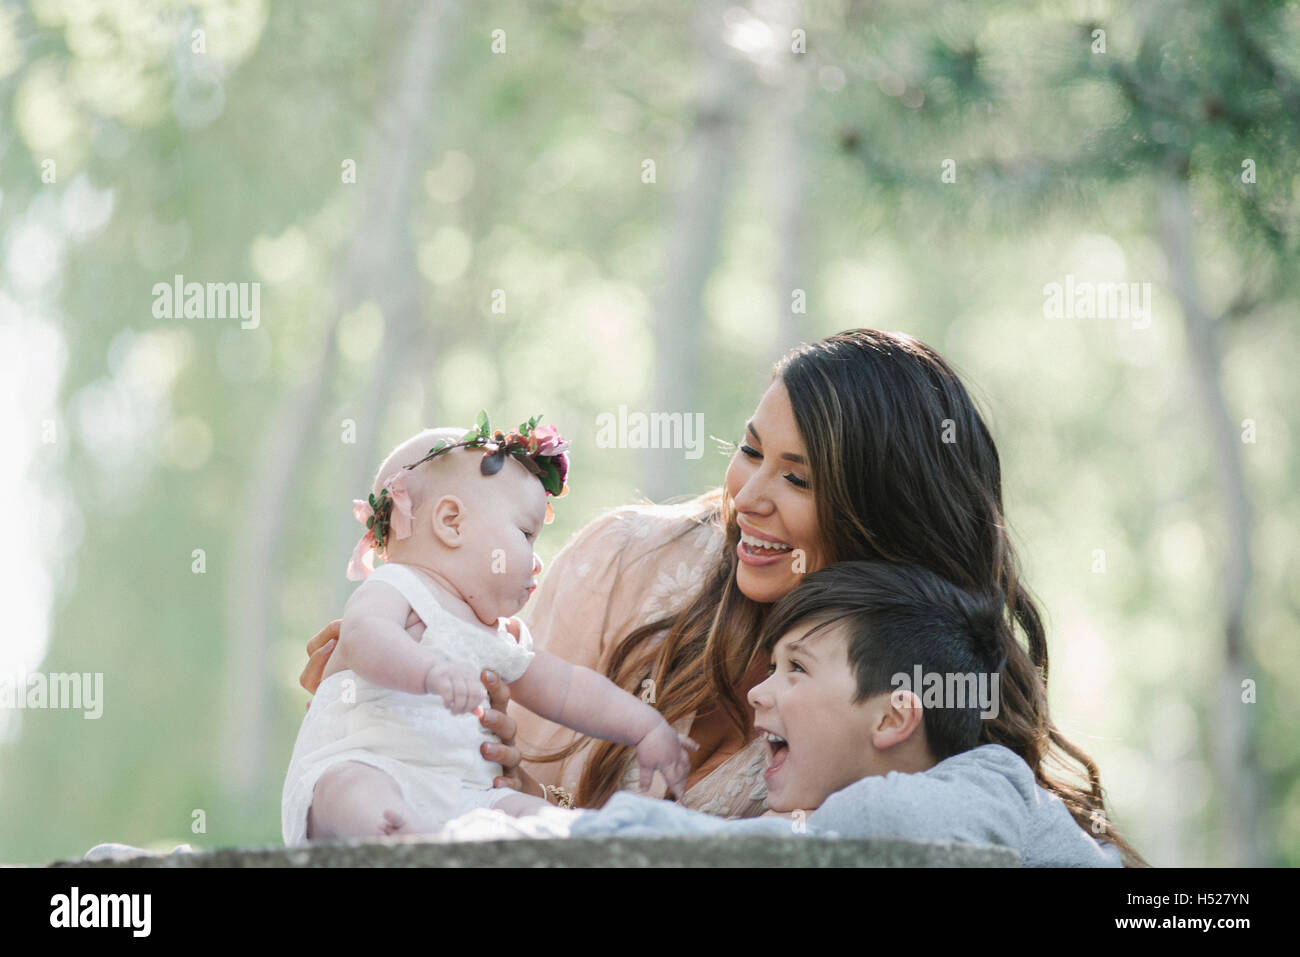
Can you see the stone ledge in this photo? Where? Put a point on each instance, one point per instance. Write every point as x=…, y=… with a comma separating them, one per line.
x=739, y=851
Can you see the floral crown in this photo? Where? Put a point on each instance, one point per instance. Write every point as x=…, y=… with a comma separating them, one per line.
x=540, y=449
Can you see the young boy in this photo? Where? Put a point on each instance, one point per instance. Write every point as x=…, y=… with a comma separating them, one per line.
x=881, y=675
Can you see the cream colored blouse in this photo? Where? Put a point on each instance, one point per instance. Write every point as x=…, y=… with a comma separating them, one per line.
x=630, y=566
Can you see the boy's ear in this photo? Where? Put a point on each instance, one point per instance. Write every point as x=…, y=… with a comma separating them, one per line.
x=447, y=516
x=900, y=716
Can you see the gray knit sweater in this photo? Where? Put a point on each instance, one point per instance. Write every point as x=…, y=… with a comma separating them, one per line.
x=983, y=796
x=987, y=795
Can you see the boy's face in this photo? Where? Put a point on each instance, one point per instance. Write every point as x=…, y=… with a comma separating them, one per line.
x=807, y=701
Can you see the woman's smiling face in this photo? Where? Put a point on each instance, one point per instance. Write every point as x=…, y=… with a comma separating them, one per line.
x=770, y=482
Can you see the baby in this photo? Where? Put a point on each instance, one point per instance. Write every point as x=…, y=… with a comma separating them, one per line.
x=390, y=744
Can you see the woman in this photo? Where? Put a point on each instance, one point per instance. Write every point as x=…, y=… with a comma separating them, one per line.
x=865, y=446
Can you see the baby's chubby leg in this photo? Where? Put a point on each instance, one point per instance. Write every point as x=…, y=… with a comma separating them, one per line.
x=353, y=800
x=521, y=805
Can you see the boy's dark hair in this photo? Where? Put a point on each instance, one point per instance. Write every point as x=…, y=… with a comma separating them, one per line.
x=896, y=617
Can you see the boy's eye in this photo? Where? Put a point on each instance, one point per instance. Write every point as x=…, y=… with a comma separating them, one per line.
x=527, y=534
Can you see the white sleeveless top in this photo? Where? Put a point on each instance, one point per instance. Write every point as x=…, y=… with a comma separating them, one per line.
x=463, y=643
x=431, y=753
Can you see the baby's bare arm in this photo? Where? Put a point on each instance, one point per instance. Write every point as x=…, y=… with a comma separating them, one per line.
x=583, y=700
x=374, y=642
x=588, y=702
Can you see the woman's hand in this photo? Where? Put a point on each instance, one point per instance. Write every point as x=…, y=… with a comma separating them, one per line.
x=503, y=726
x=319, y=650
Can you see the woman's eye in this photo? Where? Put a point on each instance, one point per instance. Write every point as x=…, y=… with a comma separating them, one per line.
x=795, y=666
x=771, y=668
x=790, y=477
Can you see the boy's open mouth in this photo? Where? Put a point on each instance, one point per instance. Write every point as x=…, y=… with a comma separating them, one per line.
x=777, y=749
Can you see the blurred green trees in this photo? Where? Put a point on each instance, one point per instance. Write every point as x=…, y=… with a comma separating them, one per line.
x=565, y=207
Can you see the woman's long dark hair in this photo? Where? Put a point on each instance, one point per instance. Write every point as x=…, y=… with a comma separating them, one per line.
x=903, y=470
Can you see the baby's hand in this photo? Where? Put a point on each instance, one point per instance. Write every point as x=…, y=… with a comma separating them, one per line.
x=663, y=749
x=460, y=687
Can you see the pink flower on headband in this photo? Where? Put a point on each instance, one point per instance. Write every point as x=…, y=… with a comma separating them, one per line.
x=549, y=440
x=385, y=517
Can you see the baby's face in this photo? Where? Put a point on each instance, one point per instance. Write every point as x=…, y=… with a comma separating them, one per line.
x=807, y=702
x=497, y=566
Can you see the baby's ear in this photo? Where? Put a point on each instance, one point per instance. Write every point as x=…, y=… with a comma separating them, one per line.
x=447, y=515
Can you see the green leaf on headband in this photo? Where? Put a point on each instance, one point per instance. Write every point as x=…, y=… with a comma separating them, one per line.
x=550, y=476
x=482, y=420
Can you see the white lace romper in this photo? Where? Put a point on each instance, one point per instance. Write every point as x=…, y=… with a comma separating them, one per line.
x=432, y=754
